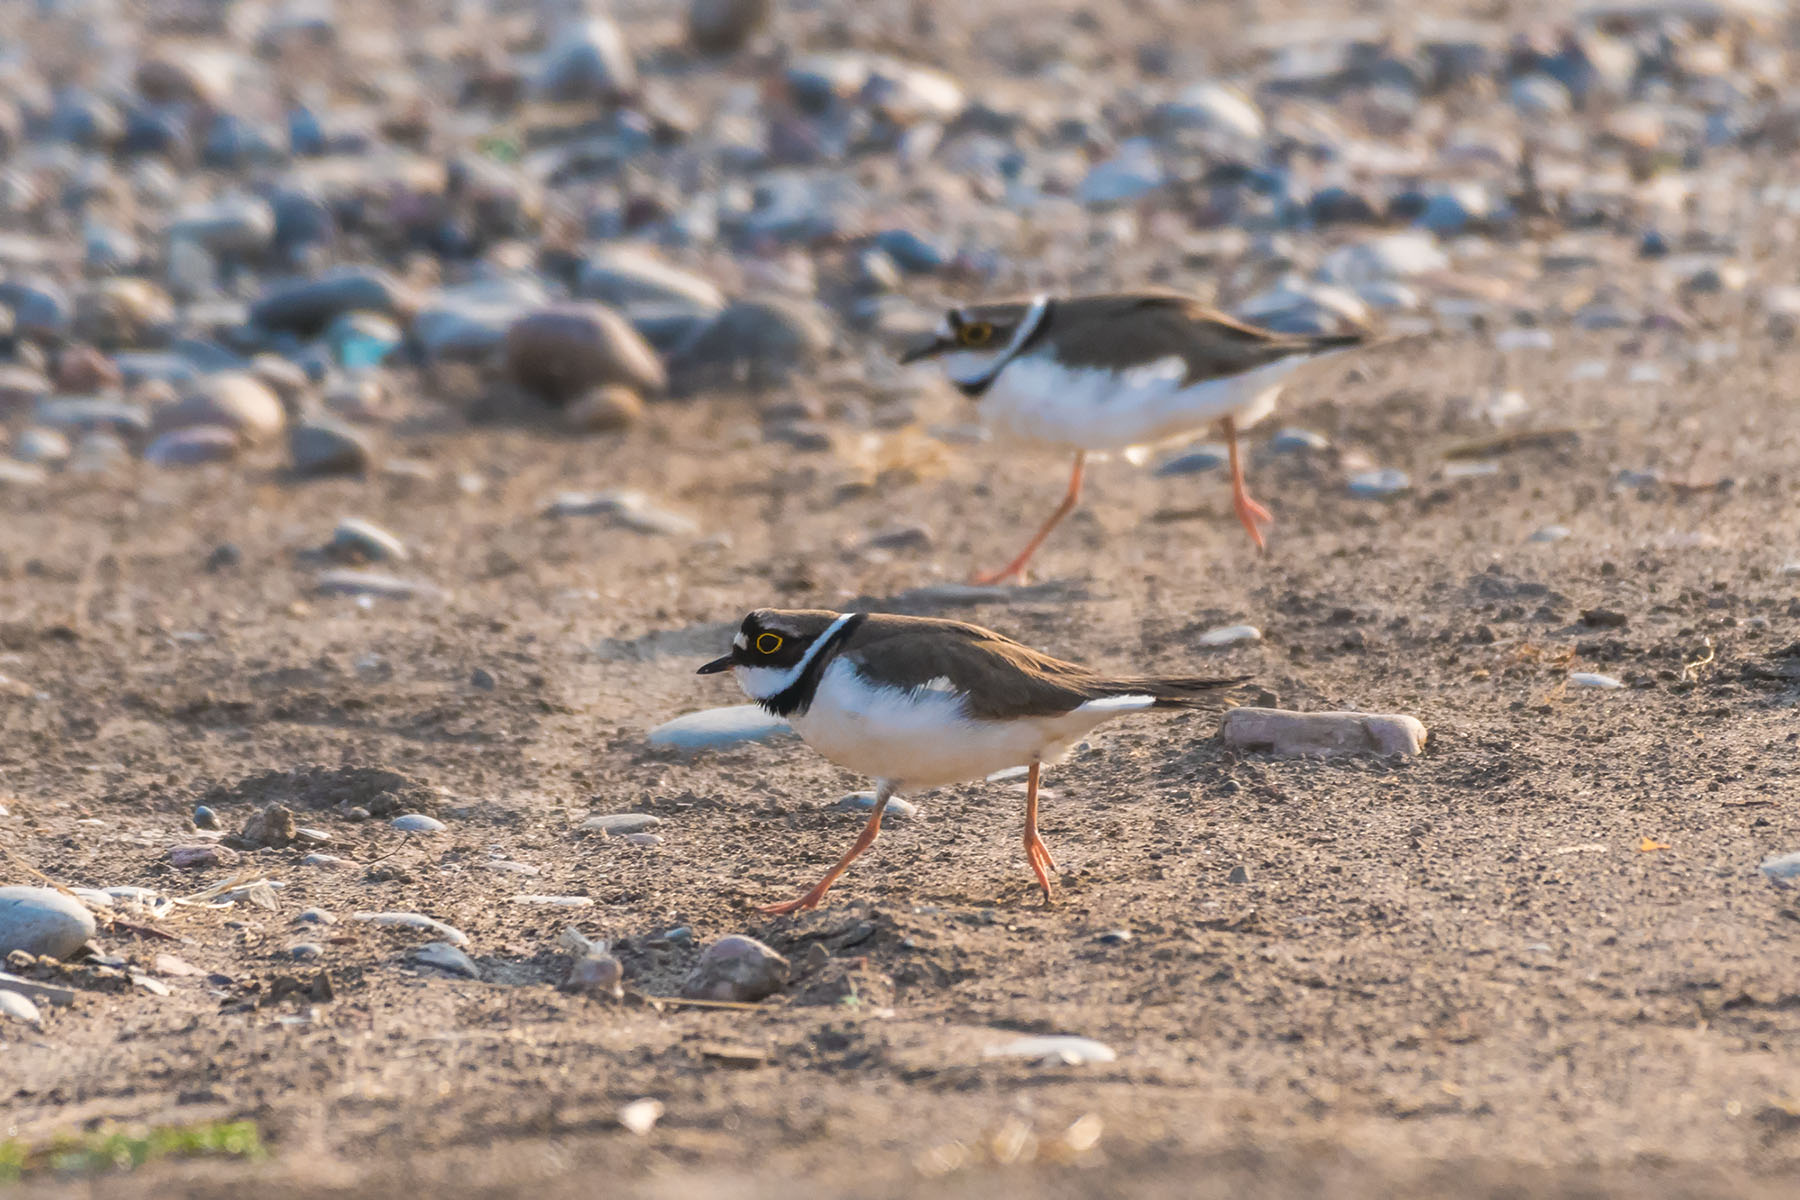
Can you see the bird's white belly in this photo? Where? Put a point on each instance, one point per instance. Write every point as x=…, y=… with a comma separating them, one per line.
x=1036, y=399
x=923, y=739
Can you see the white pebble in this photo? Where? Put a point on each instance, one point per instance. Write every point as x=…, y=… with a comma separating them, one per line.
x=865, y=801
x=1379, y=484
x=1283, y=732
x=450, y=933
x=556, y=901
x=19, y=1008
x=418, y=823
x=716, y=728
x=641, y=1116
x=1782, y=867
x=1230, y=635
x=1058, y=1049
x=1593, y=679
x=1551, y=533
x=620, y=824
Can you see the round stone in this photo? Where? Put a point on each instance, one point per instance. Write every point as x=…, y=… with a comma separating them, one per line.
x=42, y=921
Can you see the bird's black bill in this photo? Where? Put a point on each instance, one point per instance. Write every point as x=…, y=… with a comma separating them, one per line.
x=715, y=666
x=936, y=345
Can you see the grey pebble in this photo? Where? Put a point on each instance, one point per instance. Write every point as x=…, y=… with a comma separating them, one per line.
x=42, y=921
x=193, y=446
x=627, y=508
x=1295, y=441
x=446, y=957
x=1381, y=484
x=736, y=968
x=1239, y=874
x=355, y=538
x=619, y=824
x=328, y=446
x=1195, y=461
x=205, y=818
x=306, y=951
x=315, y=916
x=39, y=445
x=1323, y=734
x=716, y=728
x=865, y=802
x=1781, y=867
x=418, y=823
x=19, y=1008
x=348, y=582
x=451, y=934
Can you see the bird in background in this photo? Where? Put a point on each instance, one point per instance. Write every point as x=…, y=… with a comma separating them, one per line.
x=1099, y=373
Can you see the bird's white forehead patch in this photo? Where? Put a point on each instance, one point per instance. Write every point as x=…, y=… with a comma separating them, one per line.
x=741, y=641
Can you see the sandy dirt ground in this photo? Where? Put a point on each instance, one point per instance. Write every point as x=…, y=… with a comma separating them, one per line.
x=1536, y=960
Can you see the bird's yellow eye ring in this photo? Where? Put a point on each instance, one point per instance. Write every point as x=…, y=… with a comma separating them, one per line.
x=768, y=643
x=976, y=333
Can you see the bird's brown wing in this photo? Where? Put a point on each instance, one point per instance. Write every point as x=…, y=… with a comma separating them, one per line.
x=1122, y=331
x=999, y=678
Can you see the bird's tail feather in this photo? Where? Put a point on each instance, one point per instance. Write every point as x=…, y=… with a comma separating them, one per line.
x=1173, y=691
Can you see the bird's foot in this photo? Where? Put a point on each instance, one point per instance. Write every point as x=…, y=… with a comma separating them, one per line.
x=808, y=901
x=1038, y=855
x=1251, y=515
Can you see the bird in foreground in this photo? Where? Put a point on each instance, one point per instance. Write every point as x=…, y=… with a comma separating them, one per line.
x=918, y=703
x=1098, y=373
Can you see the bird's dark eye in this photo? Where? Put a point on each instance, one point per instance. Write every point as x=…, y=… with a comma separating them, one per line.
x=976, y=333
x=768, y=643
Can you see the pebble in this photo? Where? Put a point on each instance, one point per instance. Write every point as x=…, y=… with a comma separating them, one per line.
x=357, y=539
x=233, y=400
x=205, y=818
x=446, y=957
x=314, y=916
x=192, y=857
x=605, y=410
x=15, y=1007
x=640, y=1116
x=21, y=474
x=271, y=826
x=564, y=351
x=1196, y=461
x=1593, y=679
x=586, y=60
x=556, y=901
x=1296, y=441
x=1781, y=867
x=619, y=824
x=863, y=802
x=306, y=951
x=418, y=823
x=43, y=446
x=717, y=728
x=628, y=508
x=596, y=972
x=1239, y=874
x=1054, y=1050
x=36, y=990
x=761, y=342
x=192, y=447
x=1322, y=734
x=326, y=861
x=454, y=936
x=307, y=306
x=1551, y=533
x=1229, y=635
x=42, y=921
x=736, y=968
x=1381, y=484
x=347, y=582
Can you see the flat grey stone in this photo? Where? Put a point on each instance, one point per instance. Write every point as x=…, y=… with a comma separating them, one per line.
x=1781, y=867
x=1284, y=733
x=715, y=728
x=355, y=537
x=1054, y=1050
x=1196, y=460
x=42, y=921
x=1593, y=679
x=1230, y=635
x=863, y=802
x=619, y=824
x=46, y=993
x=629, y=509
x=1379, y=484
x=418, y=823
x=374, y=583
x=449, y=933
x=446, y=957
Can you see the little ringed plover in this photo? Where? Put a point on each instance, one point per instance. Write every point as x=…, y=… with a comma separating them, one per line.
x=1097, y=373
x=917, y=703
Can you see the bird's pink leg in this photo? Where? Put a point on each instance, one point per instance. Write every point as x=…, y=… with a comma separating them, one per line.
x=1249, y=512
x=883, y=793
x=1017, y=566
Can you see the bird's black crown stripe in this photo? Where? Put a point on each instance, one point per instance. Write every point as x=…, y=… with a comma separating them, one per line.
x=797, y=696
